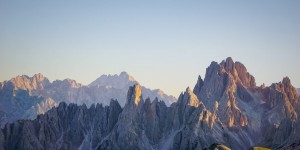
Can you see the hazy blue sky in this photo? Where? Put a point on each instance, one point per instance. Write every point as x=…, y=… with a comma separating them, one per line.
x=164, y=44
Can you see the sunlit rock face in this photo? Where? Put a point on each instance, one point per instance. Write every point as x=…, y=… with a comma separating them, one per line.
x=226, y=107
x=128, y=132
x=134, y=95
x=221, y=84
x=25, y=97
x=35, y=84
x=269, y=115
x=282, y=116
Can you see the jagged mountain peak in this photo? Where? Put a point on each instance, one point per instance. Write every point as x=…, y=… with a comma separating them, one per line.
x=114, y=102
x=134, y=95
x=221, y=77
x=188, y=98
x=37, y=94
x=123, y=80
x=228, y=64
x=188, y=90
x=221, y=84
x=24, y=82
x=125, y=75
x=39, y=76
x=285, y=86
x=239, y=72
x=66, y=84
x=72, y=83
x=287, y=82
x=191, y=97
x=198, y=85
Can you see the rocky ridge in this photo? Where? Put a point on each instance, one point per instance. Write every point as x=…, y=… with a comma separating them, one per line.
x=24, y=97
x=226, y=107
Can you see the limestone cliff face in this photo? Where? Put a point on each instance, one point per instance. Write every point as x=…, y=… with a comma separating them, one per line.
x=270, y=113
x=239, y=72
x=222, y=83
x=282, y=113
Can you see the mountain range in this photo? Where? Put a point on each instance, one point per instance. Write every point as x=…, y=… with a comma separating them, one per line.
x=225, y=109
x=25, y=97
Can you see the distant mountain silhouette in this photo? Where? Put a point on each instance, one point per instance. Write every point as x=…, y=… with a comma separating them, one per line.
x=24, y=97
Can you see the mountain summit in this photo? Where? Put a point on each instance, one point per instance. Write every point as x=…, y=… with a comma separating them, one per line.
x=123, y=81
x=117, y=81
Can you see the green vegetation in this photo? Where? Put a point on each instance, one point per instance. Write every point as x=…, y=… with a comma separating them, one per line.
x=259, y=148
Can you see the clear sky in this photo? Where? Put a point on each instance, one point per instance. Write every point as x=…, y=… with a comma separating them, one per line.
x=164, y=44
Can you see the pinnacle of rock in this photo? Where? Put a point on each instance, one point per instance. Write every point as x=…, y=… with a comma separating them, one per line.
x=134, y=94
